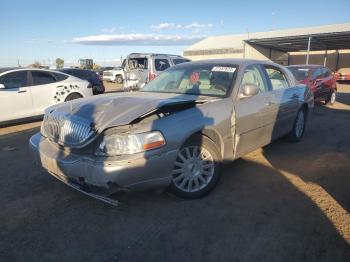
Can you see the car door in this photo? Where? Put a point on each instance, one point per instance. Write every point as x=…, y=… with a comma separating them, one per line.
x=254, y=115
x=43, y=89
x=15, y=98
x=328, y=83
x=318, y=82
x=285, y=100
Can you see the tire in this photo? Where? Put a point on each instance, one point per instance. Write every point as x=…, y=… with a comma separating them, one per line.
x=73, y=96
x=194, y=178
x=332, y=98
x=119, y=79
x=298, y=127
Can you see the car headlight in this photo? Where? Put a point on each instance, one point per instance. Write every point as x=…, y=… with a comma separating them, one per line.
x=126, y=144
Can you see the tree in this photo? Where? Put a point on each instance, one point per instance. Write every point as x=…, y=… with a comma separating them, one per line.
x=59, y=63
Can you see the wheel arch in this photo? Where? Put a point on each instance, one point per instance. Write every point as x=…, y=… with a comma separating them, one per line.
x=72, y=93
x=210, y=133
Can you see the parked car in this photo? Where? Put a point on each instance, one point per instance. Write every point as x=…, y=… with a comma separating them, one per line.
x=140, y=68
x=176, y=131
x=320, y=80
x=26, y=93
x=102, y=69
x=88, y=75
x=343, y=74
x=116, y=74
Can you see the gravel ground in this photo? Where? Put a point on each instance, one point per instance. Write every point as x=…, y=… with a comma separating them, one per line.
x=285, y=202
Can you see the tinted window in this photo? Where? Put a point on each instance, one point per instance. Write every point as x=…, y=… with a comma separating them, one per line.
x=14, y=79
x=42, y=78
x=277, y=78
x=300, y=73
x=317, y=73
x=161, y=64
x=60, y=77
x=180, y=61
x=326, y=72
x=252, y=75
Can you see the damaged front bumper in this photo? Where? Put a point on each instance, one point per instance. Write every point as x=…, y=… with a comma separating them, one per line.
x=100, y=177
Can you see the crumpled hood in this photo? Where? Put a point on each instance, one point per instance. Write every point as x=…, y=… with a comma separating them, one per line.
x=119, y=109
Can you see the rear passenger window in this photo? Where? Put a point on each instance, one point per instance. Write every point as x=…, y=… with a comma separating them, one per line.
x=180, y=61
x=252, y=75
x=277, y=78
x=14, y=80
x=60, y=77
x=42, y=78
x=317, y=73
x=326, y=72
x=161, y=64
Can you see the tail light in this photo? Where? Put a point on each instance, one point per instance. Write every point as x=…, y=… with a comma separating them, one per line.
x=151, y=76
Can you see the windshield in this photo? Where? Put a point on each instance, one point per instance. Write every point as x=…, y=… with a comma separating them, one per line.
x=209, y=80
x=300, y=73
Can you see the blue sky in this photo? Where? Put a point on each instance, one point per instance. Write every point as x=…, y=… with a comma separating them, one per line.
x=106, y=30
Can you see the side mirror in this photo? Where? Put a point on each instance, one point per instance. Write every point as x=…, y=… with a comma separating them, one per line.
x=2, y=86
x=250, y=90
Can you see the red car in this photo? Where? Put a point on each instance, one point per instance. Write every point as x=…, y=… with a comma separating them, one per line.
x=320, y=80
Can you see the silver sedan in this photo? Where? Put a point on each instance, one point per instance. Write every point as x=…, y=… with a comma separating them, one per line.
x=176, y=132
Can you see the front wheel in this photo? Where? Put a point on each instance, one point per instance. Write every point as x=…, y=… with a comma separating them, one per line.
x=196, y=168
x=332, y=98
x=298, y=127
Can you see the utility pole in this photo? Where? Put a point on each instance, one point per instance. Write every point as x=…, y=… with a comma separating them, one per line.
x=308, y=50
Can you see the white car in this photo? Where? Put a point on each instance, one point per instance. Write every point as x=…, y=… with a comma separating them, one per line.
x=114, y=75
x=26, y=93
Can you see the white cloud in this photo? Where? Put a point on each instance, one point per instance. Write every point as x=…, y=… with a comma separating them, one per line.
x=163, y=26
x=196, y=25
x=192, y=26
x=138, y=39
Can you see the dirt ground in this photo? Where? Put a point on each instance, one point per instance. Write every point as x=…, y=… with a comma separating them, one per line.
x=285, y=202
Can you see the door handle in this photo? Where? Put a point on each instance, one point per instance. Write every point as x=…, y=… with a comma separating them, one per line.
x=295, y=96
x=22, y=91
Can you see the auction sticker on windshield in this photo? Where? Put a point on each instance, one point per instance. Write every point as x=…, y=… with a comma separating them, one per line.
x=223, y=69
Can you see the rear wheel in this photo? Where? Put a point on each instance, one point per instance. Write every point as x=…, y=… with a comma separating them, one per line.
x=332, y=98
x=298, y=127
x=196, y=168
x=73, y=96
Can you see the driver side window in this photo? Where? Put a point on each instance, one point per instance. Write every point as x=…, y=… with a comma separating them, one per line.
x=252, y=75
x=14, y=80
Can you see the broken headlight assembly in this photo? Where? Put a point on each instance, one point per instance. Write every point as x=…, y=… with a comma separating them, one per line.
x=127, y=144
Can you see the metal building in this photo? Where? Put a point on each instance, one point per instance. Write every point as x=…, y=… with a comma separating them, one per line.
x=328, y=45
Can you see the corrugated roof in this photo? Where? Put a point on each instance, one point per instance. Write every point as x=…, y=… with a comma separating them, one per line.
x=236, y=41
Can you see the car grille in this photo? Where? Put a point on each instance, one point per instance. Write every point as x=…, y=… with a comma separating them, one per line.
x=66, y=130
x=107, y=74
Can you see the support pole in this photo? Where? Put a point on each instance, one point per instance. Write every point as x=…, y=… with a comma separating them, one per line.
x=325, y=58
x=337, y=61
x=308, y=50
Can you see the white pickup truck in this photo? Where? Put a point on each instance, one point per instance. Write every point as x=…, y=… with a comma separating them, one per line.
x=115, y=75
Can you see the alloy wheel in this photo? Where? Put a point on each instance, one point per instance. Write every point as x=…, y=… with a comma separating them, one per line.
x=194, y=169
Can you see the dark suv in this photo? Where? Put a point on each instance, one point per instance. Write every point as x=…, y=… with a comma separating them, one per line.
x=91, y=76
x=320, y=80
